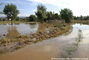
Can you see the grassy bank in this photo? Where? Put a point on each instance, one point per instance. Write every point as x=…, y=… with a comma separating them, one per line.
x=50, y=30
x=9, y=22
x=81, y=21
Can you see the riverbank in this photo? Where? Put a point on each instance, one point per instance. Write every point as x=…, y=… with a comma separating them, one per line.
x=80, y=21
x=14, y=40
x=50, y=32
x=15, y=22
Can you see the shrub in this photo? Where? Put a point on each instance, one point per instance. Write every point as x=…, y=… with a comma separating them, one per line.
x=32, y=18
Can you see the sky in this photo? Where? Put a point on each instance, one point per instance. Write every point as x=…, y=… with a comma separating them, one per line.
x=28, y=7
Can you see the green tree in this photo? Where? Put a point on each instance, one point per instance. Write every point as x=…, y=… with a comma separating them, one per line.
x=17, y=19
x=56, y=16
x=49, y=15
x=81, y=17
x=66, y=14
x=59, y=17
x=41, y=13
x=32, y=18
x=11, y=11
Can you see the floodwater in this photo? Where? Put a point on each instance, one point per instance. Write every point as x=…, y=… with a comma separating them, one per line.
x=22, y=28
x=74, y=45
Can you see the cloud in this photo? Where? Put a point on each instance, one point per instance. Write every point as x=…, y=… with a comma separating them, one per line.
x=65, y=3
x=34, y=10
x=24, y=14
x=79, y=7
x=52, y=2
x=21, y=2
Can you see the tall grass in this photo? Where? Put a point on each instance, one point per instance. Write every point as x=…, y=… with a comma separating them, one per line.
x=81, y=21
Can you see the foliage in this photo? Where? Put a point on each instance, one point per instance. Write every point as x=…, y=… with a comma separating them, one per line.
x=66, y=14
x=32, y=18
x=17, y=18
x=56, y=16
x=53, y=16
x=81, y=17
x=57, y=23
x=41, y=13
x=11, y=11
x=49, y=15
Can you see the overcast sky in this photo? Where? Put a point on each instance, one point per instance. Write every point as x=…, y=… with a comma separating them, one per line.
x=27, y=7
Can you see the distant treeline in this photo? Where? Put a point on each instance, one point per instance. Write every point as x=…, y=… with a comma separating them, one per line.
x=41, y=15
x=81, y=17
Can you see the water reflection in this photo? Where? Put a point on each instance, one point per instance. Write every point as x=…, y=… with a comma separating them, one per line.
x=22, y=28
x=55, y=47
x=27, y=28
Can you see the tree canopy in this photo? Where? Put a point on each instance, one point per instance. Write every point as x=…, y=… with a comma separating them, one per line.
x=41, y=12
x=49, y=15
x=11, y=11
x=66, y=14
x=56, y=16
x=32, y=18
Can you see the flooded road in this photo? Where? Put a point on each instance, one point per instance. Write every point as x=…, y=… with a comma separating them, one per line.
x=73, y=45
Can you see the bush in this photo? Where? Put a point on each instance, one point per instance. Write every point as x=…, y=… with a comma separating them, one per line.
x=32, y=18
x=66, y=14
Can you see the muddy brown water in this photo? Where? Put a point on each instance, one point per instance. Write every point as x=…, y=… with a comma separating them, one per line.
x=58, y=47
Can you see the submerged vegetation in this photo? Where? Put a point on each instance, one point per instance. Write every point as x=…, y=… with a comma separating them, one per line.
x=52, y=31
x=71, y=49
